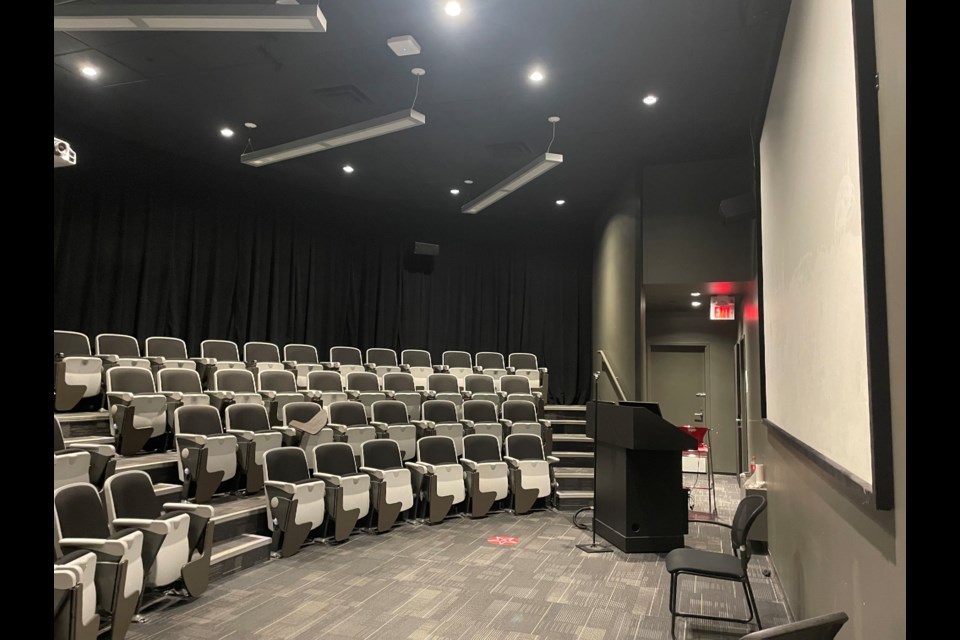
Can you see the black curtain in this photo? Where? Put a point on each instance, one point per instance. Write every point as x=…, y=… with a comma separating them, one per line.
x=149, y=244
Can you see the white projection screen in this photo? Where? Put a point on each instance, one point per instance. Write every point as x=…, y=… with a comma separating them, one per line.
x=817, y=385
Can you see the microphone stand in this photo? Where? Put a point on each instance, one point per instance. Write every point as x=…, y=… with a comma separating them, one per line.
x=594, y=547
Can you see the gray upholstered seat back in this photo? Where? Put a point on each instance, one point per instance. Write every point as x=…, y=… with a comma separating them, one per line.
x=201, y=420
x=480, y=411
x=519, y=411
x=220, y=350
x=439, y=411
x=382, y=357
x=118, y=345
x=524, y=446
x=70, y=343
x=135, y=380
x=301, y=353
x=347, y=413
x=280, y=381
x=416, y=358
x=390, y=412
x=236, y=380
x=324, y=381
x=479, y=383
x=247, y=417
x=346, y=355
x=182, y=380
x=164, y=347
x=261, y=352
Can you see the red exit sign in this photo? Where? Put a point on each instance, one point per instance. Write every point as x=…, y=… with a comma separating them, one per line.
x=722, y=308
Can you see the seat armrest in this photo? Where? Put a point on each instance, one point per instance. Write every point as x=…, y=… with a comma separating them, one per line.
x=107, y=450
x=420, y=467
x=241, y=434
x=289, y=364
x=204, y=360
x=468, y=464
x=468, y=424
x=543, y=370
x=380, y=427
x=430, y=393
x=511, y=370
x=466, y=394
x=192, y=438
x=545, y=423
x=329, y=478
x=221, y=395
x=423, y=424
x=552, y=460
x=175, y=396
x=330, y=366
x=370, y=471
x=339, y=428
x=477, y=369
x=287, y=431
x=513, y=462
x=267, y=394
x=404, y=368
x=369, y=366
x=120, y=397
x=114, y=547
x=107, y=358
x=160, y=527
x=441, y=368
x=287, y=487
x=188, y=507
x=390, y=394
x=157, y=360
x=353, y=394
x=506, y=424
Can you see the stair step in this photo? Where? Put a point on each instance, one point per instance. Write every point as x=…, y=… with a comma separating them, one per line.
x=167, y=490
x=568, y=421
x=573, y=472
x=236, y=554
x=574, y=499
x=162, y=467
x=571, y=437
x=574, y=478
x=575, y=458
x=582, y=408
x=89, y=440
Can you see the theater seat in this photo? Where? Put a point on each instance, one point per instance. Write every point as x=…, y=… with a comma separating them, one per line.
x=390, y=490
x=445, y=386
x=492, y=364
x=180, y=387
x=345, y=360
x=419, y=364
x=480, y=416
x=460, y=365
x=329, y=384
x=518, y=388
x=295, y=500
x=383, y=361
x=440, y=419
x=365, y=387
x=80, y=524
x=206, y=456
x=262, y=356
x=304, y=412
x=304, y=359
x=348, y=490
x=138, y=414
x=168, y=353
x=229, y=386
x=249, y=424
x=403, y=387
x=216, y=355
x=91, y=463
x=177, y=536
x=350, y=420
x=531, y=473
x=520, y=416
x=485, y=472
x=75, y=597
x=117, y=350
x=525, y=364
x=482, y=387
x=438, y=478
x=77, y=375
x=277, y=389
x=392, y=421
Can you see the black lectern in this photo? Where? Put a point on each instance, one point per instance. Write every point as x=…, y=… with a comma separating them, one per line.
x=639, y=500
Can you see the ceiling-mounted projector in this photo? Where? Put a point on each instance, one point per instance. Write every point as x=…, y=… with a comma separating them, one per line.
x=63, y=155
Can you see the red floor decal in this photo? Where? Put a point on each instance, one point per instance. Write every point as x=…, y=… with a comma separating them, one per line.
x=503, y=541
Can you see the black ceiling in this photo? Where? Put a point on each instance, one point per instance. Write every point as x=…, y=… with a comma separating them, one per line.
x=707, y=60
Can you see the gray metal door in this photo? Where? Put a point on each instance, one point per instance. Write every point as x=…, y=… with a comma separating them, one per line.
x=678, y=381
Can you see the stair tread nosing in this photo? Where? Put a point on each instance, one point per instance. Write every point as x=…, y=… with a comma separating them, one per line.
x=574, y=494
x=234, y=547
x=571, y=437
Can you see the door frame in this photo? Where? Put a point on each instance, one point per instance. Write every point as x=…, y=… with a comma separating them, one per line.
x=707, y=408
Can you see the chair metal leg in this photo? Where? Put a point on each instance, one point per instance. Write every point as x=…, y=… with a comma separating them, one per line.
x=673, y=605
x=752, y=601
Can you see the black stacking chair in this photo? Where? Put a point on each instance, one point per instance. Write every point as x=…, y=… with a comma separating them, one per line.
x=719, y=566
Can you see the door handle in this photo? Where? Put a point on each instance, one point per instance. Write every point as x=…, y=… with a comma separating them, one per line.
x=701, y=395
x=698, y=416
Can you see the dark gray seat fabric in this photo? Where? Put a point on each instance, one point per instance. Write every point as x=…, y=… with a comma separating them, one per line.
x=824, y=627
x=705, y=563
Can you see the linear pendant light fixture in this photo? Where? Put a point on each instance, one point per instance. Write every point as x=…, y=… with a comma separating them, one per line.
x=528, y=174
x=194, y=16
x=377, y=127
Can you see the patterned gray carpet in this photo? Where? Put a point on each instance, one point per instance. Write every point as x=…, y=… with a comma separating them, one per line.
x=447, y=582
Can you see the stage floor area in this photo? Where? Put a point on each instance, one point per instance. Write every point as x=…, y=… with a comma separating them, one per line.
x=450, y=582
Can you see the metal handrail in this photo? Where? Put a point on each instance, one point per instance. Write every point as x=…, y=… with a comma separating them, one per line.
x=607, y=368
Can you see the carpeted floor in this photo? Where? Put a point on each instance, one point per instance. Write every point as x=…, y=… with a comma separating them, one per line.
x=448, y=582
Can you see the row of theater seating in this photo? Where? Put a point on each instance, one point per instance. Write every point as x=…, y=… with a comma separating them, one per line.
x=111, y=549
x=79, y=374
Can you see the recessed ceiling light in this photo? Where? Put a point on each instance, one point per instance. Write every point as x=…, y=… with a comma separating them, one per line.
x=89, y=71
x=536, y=76
x=347, y=168
x=560, y=203
x=695, y=303
x=454, y=192
x=452, y=8
x=226, y=132
x=468, y=182
x=250, y=125
x=650, y=100
x=695, y=294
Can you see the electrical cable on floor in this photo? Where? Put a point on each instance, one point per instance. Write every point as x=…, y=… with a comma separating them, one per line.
x=577, y=515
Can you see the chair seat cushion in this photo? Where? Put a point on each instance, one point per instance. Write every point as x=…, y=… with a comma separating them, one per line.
x=706, y=563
